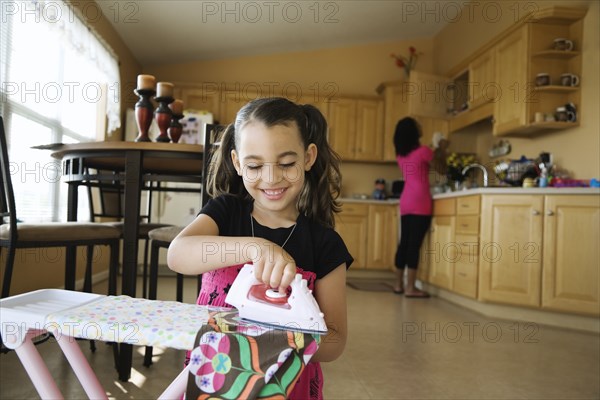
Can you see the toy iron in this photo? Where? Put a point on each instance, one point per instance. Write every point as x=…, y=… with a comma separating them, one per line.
x=259, y=303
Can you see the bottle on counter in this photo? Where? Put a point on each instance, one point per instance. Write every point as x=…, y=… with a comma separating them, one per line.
x=543, y=179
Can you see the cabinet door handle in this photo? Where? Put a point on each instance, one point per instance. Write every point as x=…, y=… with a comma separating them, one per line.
x=462, y=274
x=549, y=213
x=535, y=212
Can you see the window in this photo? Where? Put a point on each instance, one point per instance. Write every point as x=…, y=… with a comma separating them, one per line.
x=59, y=83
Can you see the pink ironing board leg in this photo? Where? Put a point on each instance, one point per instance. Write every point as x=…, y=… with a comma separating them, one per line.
x=177, y=388
x=37, y=369
x=80, y=366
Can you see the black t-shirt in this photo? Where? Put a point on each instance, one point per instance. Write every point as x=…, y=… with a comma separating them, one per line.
x=313, y=246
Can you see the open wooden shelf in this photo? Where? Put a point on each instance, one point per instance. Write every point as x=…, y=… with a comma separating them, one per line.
x=556, y=89
x=559, y=54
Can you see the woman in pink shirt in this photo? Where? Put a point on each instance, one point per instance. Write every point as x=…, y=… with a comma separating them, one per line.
x=415, y=202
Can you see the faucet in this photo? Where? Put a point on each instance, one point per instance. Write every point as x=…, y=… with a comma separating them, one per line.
x=482, y=168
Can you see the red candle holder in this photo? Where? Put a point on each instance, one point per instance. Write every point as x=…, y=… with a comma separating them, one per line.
x=175, y=128
x=163, y=115
x=143, y=113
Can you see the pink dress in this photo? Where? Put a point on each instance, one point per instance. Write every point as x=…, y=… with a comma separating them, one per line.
x=215, y=286
x=416, y=197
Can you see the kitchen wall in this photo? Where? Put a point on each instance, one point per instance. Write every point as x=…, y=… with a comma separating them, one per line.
x=355, y=70
x=575, y=149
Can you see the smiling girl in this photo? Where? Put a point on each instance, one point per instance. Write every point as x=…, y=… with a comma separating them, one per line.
x=274, y=182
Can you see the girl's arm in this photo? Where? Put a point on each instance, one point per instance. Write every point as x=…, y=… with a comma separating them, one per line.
x=330, y=293
x=198, y=248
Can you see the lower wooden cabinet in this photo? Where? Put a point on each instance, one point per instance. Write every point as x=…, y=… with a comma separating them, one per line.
x=442, y=252
x=370, y=232
x=526, y=250
x=511, y=242
x=383, y=236
x=571, y=254
x=352, y=224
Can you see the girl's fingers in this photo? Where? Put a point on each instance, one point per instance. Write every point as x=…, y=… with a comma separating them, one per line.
x=289, y=272
x=266, y=273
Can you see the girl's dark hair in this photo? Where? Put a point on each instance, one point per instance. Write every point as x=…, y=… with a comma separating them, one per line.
x=406, y=136
x=317, y=198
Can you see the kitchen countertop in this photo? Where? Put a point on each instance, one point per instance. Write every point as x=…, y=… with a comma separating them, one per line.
x=369, y=201
x=518, y=190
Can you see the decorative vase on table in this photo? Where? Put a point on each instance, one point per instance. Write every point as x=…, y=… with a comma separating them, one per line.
x=143, y=113
x=175, y=128
x=163, y=113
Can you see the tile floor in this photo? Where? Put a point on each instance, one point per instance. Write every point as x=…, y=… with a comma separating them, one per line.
x=397, y=349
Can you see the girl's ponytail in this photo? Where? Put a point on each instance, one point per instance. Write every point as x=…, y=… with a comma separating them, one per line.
x=222, y=177
x=322, y=186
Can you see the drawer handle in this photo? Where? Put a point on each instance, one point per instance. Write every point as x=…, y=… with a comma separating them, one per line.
x=535, y=212
x=549, y=213
x=462, y=274
x=464, y=225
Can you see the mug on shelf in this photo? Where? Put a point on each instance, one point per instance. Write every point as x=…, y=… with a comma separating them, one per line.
x=542, y=79
x=563, y=44
x=564, y=115
x=569, y=80
x=539, y=117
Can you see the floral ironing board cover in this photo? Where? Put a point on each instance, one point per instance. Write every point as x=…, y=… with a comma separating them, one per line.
x=229, y=359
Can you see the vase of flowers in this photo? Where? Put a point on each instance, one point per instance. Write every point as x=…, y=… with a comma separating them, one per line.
x=407, y=63
x=456, y=162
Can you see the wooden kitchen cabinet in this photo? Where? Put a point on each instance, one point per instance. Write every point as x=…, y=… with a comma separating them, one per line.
x=511, y=54
x=356, y=128
x=523, y=54
x=510, y=249
x=383, y=236
x=370, y=232
x=482, y=80
x=466, y=244
x=441, y=252
x=202, y=99
x=571, y=254
x=424, y=97
x=352, y=225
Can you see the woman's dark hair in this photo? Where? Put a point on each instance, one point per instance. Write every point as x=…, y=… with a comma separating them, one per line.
x=406, y=136
x=317, y=198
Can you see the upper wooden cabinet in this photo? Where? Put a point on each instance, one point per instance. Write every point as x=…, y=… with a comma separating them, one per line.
x=519, y=58
x=356, y=128
x=424, y=97
x=510, y=111
x=502, y=75
x=482, y=80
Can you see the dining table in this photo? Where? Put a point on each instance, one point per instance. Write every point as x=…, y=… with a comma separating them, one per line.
x=136, y=165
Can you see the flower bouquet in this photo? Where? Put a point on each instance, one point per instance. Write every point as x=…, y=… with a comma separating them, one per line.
x=455, y=163
x=409, y=62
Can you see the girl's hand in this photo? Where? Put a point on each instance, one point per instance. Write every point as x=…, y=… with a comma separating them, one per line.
x=273, y=265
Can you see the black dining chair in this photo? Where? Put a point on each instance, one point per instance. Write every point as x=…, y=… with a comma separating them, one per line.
x=16, y=235
x=162, y=237
x=106, y=200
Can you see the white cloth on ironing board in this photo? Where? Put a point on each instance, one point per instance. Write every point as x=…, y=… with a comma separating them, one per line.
x=140, y=322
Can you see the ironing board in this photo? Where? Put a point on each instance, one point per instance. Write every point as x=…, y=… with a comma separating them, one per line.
x=122, y=319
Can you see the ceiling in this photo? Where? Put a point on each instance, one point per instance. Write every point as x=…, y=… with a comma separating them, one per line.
x=177, y=31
